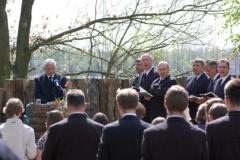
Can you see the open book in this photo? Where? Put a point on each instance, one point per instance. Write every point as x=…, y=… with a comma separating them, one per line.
x=141, y=91
x=144, y=92
x=208, y=95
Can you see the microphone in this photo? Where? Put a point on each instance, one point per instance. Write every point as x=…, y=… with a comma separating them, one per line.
x=56, y=82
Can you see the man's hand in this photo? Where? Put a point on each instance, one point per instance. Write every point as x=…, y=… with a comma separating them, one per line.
x=147, y=98
x=200, y=100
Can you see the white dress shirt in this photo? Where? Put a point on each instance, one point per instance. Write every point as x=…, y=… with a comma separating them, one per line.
x=20, y=138
x=224, y=78
x=147, y=71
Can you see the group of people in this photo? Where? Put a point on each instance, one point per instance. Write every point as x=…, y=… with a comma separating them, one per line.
x=80, y=137
x=211, y=94
x=208, y=80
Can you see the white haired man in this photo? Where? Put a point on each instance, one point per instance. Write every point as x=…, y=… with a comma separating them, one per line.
x=149, y=75
x=50, y=85
x=158, y=89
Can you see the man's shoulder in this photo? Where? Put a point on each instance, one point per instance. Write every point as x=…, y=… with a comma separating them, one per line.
x=145, y=125
x=204, y=77
x=41, y=77
x=112, y=125
x=94, y=123
x=218, y=122
x=172, y=80
x=156, y=129
x=163, y=127
x=190, y=78
x=28, y=128
x=59, y=125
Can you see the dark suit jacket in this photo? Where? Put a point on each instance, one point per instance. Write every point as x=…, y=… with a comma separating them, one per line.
x=220, y=89
x=46, y=90
x=175, y=139
x=121, y=140
x=196, y=88
x=212, y=83
x=75, y=138
x=158, y=90
x=146, y=83
x=223, y=137
x=6, y=153
x=136, y=81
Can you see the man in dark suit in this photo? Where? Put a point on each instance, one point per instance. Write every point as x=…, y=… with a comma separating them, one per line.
x=225, y=76
x=139, y=69
x=76, y=137
x=196, y=85
x=223, y=134
x=211, y=70
x=121, y=140
x=6, y=153
x=158, y=89
x=175, y=138
x=50, y=86
x=148, y=77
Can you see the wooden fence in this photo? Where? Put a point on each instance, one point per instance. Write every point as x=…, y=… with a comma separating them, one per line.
x=100, y=93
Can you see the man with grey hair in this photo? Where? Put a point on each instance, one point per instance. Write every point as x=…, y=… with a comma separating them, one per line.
x=50, y=85
x=149, y=75
x=158, y=89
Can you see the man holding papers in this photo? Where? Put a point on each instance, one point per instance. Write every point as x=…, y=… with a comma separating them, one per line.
x=149, y=75
x=158, y=90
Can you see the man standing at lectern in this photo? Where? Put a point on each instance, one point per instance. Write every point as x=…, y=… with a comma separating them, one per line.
x=50, y=85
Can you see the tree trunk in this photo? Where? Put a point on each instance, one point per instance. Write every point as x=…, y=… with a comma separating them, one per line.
x=5, y=65
x=23, y=55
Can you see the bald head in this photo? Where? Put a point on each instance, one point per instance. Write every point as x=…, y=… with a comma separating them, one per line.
x=147, y=61
x=163, y=69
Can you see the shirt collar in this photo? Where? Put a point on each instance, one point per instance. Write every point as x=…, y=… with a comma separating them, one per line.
x=84, y=113
x=50, y=76
x=147, y=71
x=171, y=116
x=13, y=120
x=199, y=75
x=129, y=114
x=215, y=77
x=224, y=78
x=139, y=74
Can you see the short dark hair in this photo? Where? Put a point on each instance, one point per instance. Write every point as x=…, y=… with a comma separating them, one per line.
x=176, y=98
x=199, y=60
x=218, y=110
x=212, y=63
x=75, y=98
x=128, y=98
x=53, y=117
x=232, y=91
x=224, y=61
x=13, y=107
x=101, y=118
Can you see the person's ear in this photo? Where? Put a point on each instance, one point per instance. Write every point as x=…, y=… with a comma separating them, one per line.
x=119, y=108
x=165, y=104
x=226, y=100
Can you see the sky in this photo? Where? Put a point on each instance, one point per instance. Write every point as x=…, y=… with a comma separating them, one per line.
x=60, y=14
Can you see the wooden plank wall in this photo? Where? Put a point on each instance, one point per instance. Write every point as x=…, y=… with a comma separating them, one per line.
x=100, y=93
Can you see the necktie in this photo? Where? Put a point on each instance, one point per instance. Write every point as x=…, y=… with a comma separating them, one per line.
x=218, y=87
x=210, y=86
x=194, y=82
